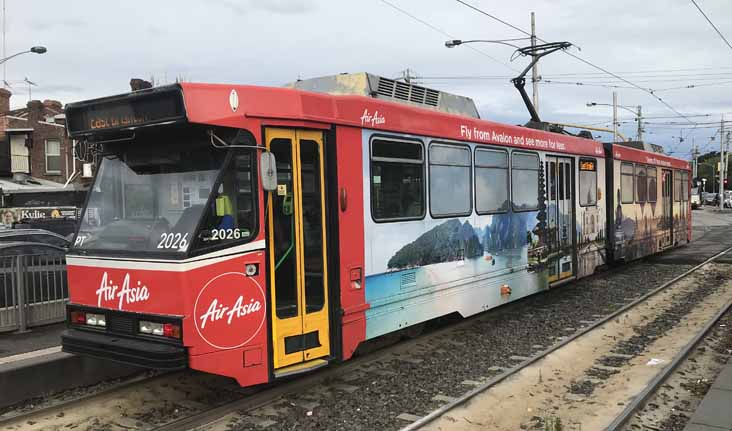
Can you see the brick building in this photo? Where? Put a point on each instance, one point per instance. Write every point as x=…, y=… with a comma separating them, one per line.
x=36, y=160
x=33, y=141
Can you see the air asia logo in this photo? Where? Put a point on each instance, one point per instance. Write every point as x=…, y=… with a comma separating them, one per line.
x=372, y=120
x=128, y=294
x=230, y=310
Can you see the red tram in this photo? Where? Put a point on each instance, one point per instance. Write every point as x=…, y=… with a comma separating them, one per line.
x=259, y=232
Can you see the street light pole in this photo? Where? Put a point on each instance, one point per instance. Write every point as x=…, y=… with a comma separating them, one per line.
x=722, y=173
x=34, y=49
x=615, y=106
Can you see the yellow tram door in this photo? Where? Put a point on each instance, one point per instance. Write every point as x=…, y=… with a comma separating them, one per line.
x=297, y=252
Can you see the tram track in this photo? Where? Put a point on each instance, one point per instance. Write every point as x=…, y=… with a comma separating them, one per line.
x=218, y=420
x=27, y=411
x=379, y=379
x=640, y=400
x=615, y=360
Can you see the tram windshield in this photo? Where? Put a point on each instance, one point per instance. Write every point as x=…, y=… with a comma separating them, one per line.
x=150, y=195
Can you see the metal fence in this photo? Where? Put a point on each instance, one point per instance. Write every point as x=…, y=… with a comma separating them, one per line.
x=33, y=291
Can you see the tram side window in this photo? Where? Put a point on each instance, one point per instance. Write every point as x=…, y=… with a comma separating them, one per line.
x=641, y=186
x=588, y=182
x=231, y=215
x=397, y=180
x=652, y=184
x=491, y=181
x=684, y=187
x=450, y=193
x=677, y=186
x=626, y=183
x=525, y=181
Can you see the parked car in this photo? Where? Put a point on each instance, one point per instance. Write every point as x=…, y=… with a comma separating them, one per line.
x=16, y=248
x=39, y=236
x=60, y=225
x=711, y=198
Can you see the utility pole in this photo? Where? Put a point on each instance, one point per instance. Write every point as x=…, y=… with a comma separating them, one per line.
x=5, y=78
x=726, y=153
x=640, y=124
x=722, y=163
x=615, y=116
x=535, y=68
x=694, y=156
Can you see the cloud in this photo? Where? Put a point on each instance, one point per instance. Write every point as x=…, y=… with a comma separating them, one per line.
x=282, y=7
x=94, y=51
x=55, y=24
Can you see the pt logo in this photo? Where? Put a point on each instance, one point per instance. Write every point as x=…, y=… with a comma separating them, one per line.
x=229, y=310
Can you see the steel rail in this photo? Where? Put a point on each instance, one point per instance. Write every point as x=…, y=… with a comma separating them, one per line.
x=6, y=421
x=517, y=368
x=640, y=400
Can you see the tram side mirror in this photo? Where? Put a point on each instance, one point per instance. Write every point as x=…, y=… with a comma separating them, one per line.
x=268, y=170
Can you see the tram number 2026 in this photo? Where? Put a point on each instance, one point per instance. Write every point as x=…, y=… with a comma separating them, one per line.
x=221, y=234
x=173, y=240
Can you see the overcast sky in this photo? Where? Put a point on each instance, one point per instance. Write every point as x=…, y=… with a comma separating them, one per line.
x=94, y=48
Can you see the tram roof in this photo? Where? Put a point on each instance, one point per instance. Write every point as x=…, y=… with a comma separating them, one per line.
x=210, y=103
x=630, y=154
x=251, y=107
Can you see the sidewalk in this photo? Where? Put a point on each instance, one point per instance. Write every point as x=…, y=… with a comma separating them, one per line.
x=715, y=411
x=37, y=338
x=33, y=364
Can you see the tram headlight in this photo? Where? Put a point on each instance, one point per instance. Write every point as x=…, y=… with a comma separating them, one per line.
x=151, y=328
x=96, y=319
x=170, y=330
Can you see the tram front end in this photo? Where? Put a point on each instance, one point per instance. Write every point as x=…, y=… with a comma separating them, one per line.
x=167, y=269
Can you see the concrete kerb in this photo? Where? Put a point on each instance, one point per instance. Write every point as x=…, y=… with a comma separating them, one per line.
x=49, y=373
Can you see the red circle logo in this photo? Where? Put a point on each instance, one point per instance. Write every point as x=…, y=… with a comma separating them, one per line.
x=230, y=310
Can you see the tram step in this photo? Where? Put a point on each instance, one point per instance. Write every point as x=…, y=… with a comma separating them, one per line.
x=302, y=367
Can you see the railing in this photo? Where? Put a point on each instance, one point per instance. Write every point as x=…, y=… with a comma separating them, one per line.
x=19, y=163
x=33, y=291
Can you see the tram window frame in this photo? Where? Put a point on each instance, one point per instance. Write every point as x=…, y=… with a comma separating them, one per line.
x=468, y=167
x=198, y=247
x=623, y=188
x=652, y=191
x=378, y=159
x=641, y=185
x=513, y=169
x=677, y=186
x=484, y=167
x=560, y=179
x=593, y=202
x=684, y=186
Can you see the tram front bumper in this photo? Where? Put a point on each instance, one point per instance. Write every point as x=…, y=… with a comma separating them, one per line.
x=141, y=353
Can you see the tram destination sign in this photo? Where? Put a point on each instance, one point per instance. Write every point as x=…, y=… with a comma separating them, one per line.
x=137, y=109
x=588, y=165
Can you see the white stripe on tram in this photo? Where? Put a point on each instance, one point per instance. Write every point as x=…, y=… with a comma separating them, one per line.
x=165, y=265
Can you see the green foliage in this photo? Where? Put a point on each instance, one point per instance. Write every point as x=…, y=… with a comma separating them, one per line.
x=707, y=168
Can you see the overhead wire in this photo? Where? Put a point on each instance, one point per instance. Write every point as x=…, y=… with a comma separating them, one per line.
x=650, y=92
x=712, y=24
x=444, y=33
